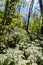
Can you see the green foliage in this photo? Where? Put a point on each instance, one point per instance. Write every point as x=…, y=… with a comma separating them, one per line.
x=1, y=63
x=7, y=33
x=40, y=61
x=7, y=61
x=25, y=55
x=35, y=24
x=27, y=63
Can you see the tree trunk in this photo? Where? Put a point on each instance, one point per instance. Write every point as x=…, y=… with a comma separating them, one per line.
x=5, y=13
x=29, y=14
x=7, y=20
x=41, y=7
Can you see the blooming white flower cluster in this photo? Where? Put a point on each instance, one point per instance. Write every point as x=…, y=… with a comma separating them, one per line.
x=33, y=52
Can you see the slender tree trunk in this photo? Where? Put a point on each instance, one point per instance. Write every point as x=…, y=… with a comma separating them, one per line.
x=29, y=14
x=41, y=7
x=5, y=13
